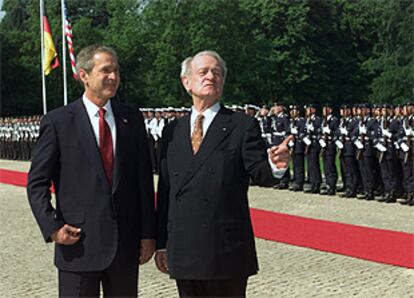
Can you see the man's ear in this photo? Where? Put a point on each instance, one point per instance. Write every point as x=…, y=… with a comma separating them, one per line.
x=186, y=83
x=83, y=76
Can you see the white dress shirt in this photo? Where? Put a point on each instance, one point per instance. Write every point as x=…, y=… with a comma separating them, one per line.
x=92, y=111
x=209, y=115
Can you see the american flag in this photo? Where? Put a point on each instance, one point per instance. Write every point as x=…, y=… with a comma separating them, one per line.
x=68, y=33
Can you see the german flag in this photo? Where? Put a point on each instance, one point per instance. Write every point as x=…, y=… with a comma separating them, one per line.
x=51, y=60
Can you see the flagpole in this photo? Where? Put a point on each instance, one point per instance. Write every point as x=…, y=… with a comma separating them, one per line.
x=42, y=42
x=65, y=81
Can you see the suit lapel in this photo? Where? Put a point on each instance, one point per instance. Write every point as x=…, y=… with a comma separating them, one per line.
x=219, y=129
x=87, y=138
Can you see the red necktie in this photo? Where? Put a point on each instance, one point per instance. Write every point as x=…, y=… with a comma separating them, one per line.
x=105, y=145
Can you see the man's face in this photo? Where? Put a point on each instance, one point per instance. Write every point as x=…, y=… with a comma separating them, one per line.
x=103, y=80
x=278, y=109
x=264, y=112
x=206, y=80
x=326, y=111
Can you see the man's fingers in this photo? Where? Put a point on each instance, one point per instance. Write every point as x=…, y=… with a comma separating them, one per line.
x=161, y=261
x=71, y=230
x=287, y=140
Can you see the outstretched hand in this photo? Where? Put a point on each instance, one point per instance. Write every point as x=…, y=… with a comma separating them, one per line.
x=279, y=155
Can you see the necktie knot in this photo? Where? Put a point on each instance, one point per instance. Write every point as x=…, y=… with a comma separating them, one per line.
x=101, y=112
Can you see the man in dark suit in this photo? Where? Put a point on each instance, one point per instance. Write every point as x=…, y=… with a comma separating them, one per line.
x=95, y=153
x=207, y=159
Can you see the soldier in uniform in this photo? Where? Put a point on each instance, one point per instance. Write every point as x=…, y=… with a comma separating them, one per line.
x=405, y=142
x=348, y=135
x=151, y=141
x=297, y=147
x=313, y=148
x=280, y=130
x=265, y=123
x=365, y=151
x=330, y=125
x=387, y=136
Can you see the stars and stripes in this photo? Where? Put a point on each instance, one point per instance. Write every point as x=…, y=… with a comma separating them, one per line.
x=68, y=34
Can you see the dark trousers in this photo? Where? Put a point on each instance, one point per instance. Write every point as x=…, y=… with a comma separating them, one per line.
x=389, y=174
x=298, y=169
x=118, y=280
x=212, y=288
x=314, y=168
x=367, y=170
x=329, y=169
x=351, y=172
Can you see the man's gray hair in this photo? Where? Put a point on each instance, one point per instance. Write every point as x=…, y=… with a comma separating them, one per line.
x=85, y=60
x=186, y=64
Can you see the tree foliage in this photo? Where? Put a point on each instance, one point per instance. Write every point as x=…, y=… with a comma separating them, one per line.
x=299, y=51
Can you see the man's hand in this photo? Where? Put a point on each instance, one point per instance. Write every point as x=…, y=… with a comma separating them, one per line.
x=66, y=235
x=279, y=155
x=161, y=261
x=146, y=251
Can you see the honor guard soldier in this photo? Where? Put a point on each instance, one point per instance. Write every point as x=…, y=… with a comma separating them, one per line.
x=365, y=151
x=348, y=135
x=280, y=130
x=265, y=123
x=330, y=124
x=313, y=148
x=297, y=147
x=405, y=142
x=151, y=141
x=386, y=136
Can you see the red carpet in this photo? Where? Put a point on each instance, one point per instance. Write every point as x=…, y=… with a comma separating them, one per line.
x=384, y=246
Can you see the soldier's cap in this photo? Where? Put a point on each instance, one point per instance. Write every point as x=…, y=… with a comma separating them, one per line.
x=143, y=109
x=398, y=106
x=279, y=103
x=365, y=106
x=294, y=107
x=345, y=106
x=265, y=107
x=151, y=110
x=327, y=105
x=158, y=110
x=310, y=105
x=250, y=107
x=170, y=109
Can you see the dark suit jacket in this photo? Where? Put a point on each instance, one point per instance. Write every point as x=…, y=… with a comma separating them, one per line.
x=203, y=213
x=112, y=217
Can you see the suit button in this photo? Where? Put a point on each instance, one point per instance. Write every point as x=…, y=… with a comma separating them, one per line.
x=204, y=225
x=176, y=173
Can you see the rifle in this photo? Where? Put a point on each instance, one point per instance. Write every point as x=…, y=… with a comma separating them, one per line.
x=325, y=135
x=409, y=141
x=384, y=126
x=361, y=138
x=292, y=125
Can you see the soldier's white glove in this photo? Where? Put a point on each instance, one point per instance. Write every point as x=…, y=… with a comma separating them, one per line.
x=381, y=147
x=339, y=144
x=358, y=144
x=307, y=141
x=363, y=130
x=294, y=131
x=343, y=131
x=310, y=127
x=386, y=132
x=326, y=130
x=409, y=132
x=404, y=147
x=291, y=144
x=322, y=143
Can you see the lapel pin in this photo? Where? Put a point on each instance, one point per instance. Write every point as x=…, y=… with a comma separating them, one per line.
x=224, y=129
x=124, y=120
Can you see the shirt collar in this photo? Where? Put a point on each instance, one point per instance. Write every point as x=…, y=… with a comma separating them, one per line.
x=208, y=113
x=92, y=109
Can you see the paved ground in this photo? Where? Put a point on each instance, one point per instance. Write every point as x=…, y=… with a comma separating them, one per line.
x=286, y=271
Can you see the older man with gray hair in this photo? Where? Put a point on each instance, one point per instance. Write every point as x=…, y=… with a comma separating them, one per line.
x=205, y=238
